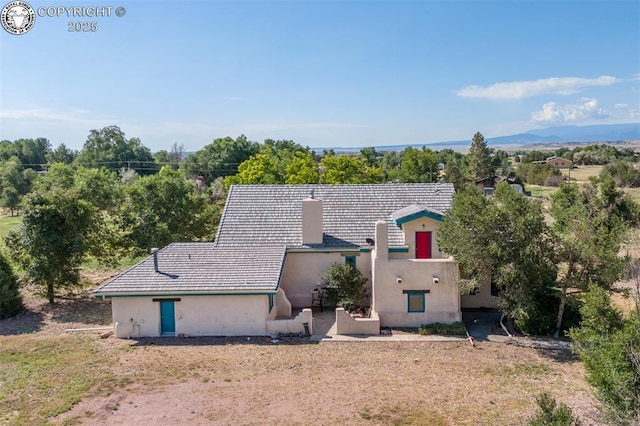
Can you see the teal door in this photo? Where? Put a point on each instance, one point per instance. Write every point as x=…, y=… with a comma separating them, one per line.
x=167, y=318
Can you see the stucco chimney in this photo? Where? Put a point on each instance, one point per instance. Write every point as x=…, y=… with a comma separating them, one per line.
x=382, y=240
x=311, y=220
x=154, y=252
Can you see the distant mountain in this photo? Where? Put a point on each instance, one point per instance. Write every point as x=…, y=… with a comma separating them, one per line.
x=596, y=133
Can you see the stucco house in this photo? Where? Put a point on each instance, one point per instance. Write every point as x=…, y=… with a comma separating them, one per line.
x=273, y=244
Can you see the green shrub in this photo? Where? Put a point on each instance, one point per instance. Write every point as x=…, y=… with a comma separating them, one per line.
x=609, y=346
x=10, y=299
x=537, y=173
x=623, y=173
x=345, y=287
x=455, y=328
x=551, y=414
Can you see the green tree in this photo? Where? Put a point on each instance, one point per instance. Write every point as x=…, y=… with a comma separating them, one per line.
x=166, y=207
x=538, y=173
x=261, y=168
x=106, y=237
x=479, y=159
x=10, y=298
x=591, y=223
x=418, y=165
x=33, y=152
x=390, y=164
x=623, y=173
x=371, y=156
x=503, y=241
x=8, y=150
x=222, y=157
x=12, y=174
x=10, y=198
x=345, y=287
x=609, y=346
x=347, y=169
x=454, y=172
x=303, y=169
x=532, y=156
x=52, y=242
x=108, y=147
x=61, y=154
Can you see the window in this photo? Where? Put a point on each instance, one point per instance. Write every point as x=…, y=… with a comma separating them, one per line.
x=495, y=290
x=415, y=302
x=350, y=260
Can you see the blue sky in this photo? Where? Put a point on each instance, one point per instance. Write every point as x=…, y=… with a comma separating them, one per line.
x=323, y=73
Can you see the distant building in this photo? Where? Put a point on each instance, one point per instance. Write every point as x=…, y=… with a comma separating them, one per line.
x=559, y=162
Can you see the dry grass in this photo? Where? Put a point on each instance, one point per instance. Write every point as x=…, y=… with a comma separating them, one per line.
x=234, y=381
x=581, y=174
x=7, y=223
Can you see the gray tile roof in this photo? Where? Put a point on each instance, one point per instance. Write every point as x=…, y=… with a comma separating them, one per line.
x=260, y=221
x=201, y=267
x=270, y=215
x=414, y=209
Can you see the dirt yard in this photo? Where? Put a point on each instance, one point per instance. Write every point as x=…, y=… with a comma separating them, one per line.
x=48, y=375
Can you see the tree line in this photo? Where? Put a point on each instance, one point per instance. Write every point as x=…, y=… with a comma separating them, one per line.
x=241, y=161
x=557, y=275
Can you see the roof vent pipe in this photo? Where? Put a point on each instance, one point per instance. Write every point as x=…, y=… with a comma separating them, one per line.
x=154, y=252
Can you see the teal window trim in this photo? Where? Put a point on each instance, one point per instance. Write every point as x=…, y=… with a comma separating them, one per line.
x=430, y=215
x=350, y=260
x=412, y=294
x=270, y=296
x=112, y=296
x=399, y=249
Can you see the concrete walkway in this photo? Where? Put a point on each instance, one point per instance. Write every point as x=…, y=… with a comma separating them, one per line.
x=478, y=325
x=324, y=330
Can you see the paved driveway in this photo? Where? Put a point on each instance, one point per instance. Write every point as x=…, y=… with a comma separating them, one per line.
x=479, y=323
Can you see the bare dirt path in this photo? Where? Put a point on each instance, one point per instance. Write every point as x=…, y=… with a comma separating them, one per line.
x=238, y=381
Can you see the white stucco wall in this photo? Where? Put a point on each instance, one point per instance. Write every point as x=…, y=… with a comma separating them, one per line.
x=483, y=299
x=194, y=316
x=442, y=303
x=282, y=305
x=292, y=325
x=393, y=277
x=346, y=324
x=303, y=272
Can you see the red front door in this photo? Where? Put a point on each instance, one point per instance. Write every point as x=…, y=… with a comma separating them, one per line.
x=423, y=245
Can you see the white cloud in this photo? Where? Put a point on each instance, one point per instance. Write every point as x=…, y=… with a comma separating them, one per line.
x=45, y=114
x=584, y=109
x=527, y=89
x=636, y=76
x=621, y=106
